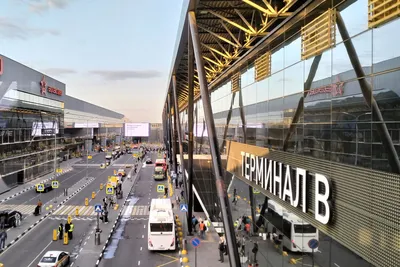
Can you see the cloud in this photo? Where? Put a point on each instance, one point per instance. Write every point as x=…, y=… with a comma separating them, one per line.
x=59, y=71
x=119, y=75
x=40, y=6
x=12, y=29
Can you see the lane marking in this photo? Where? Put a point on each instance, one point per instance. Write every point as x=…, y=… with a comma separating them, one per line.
x=144, y=226
x=142, y=236
x=138, y=263
x=337, y=265
x=40, y=253
x=168, y=256
x=167, y=263
x=141, y=248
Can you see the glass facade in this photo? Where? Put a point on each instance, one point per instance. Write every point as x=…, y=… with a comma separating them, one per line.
x=333, y=119
x=26, y=149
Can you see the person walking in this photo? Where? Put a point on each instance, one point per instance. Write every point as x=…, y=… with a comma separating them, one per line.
x=40, y=204
x=255, y=250
x=3, y=238
x=221, y=249
x=202, y=229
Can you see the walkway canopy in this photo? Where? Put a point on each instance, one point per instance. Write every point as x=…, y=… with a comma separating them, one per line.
x=230, y=33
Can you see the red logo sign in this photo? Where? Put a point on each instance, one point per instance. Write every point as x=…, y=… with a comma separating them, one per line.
x=51, y=90
x=1, y=66
x=334, y=89
x=43, y=85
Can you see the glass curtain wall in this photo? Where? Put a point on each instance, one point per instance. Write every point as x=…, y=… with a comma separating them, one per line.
x=335, y=123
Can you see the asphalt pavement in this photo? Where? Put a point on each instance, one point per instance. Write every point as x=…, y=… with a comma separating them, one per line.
x=131, y=249
x=35, y=243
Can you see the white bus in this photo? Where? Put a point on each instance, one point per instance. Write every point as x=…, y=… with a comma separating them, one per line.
x=296, y=232
x=161, y=228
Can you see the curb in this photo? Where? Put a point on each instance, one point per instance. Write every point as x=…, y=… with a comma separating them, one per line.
x=33, y=186
x=179, y=245
x=115, y=224
x=45, y=216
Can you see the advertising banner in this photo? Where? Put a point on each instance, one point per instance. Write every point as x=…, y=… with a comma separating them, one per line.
x=137, y=129
x=44, y=129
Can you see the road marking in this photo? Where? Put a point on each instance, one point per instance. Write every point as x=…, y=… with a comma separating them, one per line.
x=144, y=226
x=34, y=260
x=141, y=248
x=138, y=263
x=142, y=236
x=168, y=256
x=167, y=263
x=336, y=265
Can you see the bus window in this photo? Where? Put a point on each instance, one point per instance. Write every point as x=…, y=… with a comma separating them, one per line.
x=304, y=229
x=161, y=227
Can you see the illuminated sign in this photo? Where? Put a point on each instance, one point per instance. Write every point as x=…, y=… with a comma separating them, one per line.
x=289, y=184
x=137, y=129
x=334, y=89
x=1, y=66
x=51, y=90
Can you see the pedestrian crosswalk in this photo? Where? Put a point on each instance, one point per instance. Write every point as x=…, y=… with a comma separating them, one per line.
x=23, y=209
x=70, y=210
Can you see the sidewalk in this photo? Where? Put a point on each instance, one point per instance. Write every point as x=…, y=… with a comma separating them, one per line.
x=92, y=254
x=207, y=252
x=66, y=166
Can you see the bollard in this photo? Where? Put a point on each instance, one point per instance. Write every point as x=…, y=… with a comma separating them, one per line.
x=65, y=191
x=77, y=212
x=55, y=235
x=93, y=195
x=97, y=238
x=65, y=238
x=116, y=206
x=69, y=219
x=101, y=186
x=1, y=265
x=86, y=201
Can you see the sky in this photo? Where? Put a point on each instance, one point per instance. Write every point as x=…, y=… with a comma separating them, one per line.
x=115, y=54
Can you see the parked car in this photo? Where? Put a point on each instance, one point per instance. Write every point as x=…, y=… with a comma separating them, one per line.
x=149, y=161
x=10, y=217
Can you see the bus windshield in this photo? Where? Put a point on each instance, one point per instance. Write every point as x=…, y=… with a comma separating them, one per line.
x=161, y=227
x=304, y=229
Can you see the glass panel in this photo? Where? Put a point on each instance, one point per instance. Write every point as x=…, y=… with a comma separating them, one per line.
x=277, y=60
x=386, y=46
x=293, y=51
x=276, y=85
x=294, y=79
x=355, y=17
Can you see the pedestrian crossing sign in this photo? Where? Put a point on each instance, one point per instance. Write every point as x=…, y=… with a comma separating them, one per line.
x=184, y=207
x=40, y=187
x=160, y=188
x=98, y=208
x=109, y=190
x=54, y=184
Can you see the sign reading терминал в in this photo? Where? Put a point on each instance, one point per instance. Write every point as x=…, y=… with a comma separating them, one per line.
x=289, y=183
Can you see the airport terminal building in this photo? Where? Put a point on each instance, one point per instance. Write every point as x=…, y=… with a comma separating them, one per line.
x=40, y=123
x=305, y=117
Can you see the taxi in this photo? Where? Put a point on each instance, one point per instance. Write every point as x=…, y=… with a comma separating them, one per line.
x=55, y=258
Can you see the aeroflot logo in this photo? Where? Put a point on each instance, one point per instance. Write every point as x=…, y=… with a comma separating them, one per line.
x=289, y=184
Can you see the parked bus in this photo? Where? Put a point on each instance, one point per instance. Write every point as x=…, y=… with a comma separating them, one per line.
x=296, y=232
x=161, y=227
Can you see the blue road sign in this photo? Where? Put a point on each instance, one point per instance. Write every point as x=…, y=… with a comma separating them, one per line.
x=195, y=242
x=313, y=243
x=184, y=207
x=40, y=187
x=110, y=190
x=97, y=208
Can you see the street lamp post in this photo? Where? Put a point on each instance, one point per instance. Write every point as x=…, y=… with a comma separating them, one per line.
x=356, y=121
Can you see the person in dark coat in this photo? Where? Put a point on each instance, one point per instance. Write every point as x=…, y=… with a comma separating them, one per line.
x=61, y=231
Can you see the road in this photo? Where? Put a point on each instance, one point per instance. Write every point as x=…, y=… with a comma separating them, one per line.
x=340, y=255
x=130, y=246
x=35, y=243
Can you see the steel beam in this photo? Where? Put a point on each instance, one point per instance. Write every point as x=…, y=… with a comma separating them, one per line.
x=179, y=130
x=190, y=126
x=169, y=130
x=173, y=132
x=234, y=259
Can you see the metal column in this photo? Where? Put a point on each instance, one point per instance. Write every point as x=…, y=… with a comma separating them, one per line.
x=179, y=130
x=234, y=259
x=170, y=132
x=190, y=126
x=174, y=148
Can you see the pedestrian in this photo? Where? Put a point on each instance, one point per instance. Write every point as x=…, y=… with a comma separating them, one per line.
x=255, y=250
x=105, y=202
x=60, y=231
x=166, y=191
x=70, y=231
x=105, y=216
x=3, y=238
x=194, y=223
x=221, y=249
x=182, y=194
x=202, y=229
x=40, y=204
x=177, y=200
x=111, y=205
x=180, y=184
